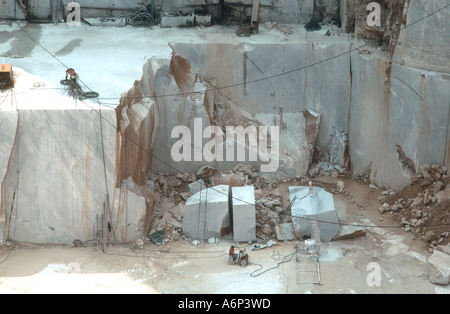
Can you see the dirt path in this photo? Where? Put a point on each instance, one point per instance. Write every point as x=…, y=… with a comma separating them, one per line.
x=347, y=266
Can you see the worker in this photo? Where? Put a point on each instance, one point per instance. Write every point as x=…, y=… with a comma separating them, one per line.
x=231, y=253
x=70, y=73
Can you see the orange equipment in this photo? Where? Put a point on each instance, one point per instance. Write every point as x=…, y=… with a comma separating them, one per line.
x=6, y=76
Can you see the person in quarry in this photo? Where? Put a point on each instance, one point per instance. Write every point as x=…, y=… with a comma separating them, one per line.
x=73, y=76
x=231, y=253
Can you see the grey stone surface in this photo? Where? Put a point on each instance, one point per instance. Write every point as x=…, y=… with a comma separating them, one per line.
x=206, y=214
x=439, y=268
x=128, y=216
x=61, y=178
x=251, y=103
x=244, y=213
x=196, y=186
x=424, y=44
x=372, y=102
x=312, y=88
x=319, y=207
x=203, y=20
x=285, y=232
x=399, y=107
x=8, y=126
x=168, y=20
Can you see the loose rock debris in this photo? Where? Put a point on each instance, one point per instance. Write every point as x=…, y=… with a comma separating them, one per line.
x=423, y=207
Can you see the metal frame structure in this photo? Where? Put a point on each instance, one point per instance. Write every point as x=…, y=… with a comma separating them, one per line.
x=308, y=255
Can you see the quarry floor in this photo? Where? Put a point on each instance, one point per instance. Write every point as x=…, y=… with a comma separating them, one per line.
x=182, y=268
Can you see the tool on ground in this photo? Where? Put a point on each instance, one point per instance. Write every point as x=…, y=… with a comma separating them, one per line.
x=6, y=76
x=241, y=258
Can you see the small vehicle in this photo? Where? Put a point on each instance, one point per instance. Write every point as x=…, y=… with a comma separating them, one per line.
x=241, y=258
x=6, y=76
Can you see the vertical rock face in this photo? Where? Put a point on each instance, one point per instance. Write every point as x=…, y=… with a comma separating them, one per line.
x=137, y=122
x=423, y=42
x=364, y=95
x=189, y=87
x=59, y=171
x=8, y=127
x=395, y=124
x=58, y=178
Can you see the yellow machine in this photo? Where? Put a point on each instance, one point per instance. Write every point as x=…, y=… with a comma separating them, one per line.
x=6, y=76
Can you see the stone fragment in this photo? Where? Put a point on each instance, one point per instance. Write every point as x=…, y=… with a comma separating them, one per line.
x=340, y=186
x=206, y=213
x=139, y=242
x=244, y=214
x=285, y=232
x=425, y=171
x=444, y=248
x=439, y=268
x=337, y=148
x=172, y=19
x=206, y=172
x=443, y=195
x=438, y=186
x=196, y=186
x=355, y=234
x=416, y=201
x=267, y=229
x=228, y=179
x=128, y=214
x=319, y=206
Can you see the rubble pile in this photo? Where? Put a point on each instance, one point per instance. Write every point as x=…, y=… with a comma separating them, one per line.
x=271, y=198
x=335, y=161
x=424, y=206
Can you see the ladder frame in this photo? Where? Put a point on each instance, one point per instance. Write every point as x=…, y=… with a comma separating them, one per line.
x=312, y=253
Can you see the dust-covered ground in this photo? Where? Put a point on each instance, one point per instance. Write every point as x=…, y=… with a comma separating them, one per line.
x=386, y=260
